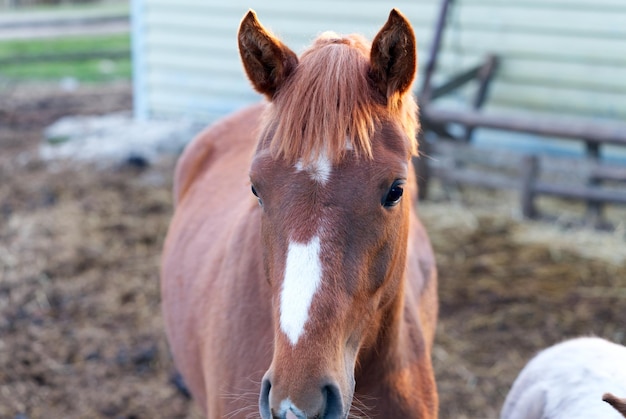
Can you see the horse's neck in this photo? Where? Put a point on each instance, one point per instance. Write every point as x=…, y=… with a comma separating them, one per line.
x=397, y=367
x=384, y=340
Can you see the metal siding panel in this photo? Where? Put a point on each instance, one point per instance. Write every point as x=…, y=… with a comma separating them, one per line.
x=211, y=65
x=517, y=17
x=567, y=55
x=564, y=4
x=577, y=75
x=554, y=58
x=175, y=102
x=565, y=101
x=191, y=49
x=138, y=51
x=538, y=46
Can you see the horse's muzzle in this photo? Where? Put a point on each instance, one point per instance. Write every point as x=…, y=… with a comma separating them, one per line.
x=323, y=403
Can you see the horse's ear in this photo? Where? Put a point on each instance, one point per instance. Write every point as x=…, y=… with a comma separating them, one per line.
x=267, y=61
x=393, y=57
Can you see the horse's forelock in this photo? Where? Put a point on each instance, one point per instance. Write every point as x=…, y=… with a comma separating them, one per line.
x=328, y=105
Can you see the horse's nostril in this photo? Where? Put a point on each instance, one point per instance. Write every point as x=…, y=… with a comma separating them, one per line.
x=264, y=399
x=324, y=404
x=334, y=408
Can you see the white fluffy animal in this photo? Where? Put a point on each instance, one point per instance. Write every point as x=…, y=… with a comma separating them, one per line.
x=568, y=381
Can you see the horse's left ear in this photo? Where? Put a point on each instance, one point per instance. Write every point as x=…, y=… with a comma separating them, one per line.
x=393, y=57
x=267, y=61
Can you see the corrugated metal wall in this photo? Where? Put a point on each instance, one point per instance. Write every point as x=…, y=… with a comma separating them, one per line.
x=186, y=57
x=563, y=56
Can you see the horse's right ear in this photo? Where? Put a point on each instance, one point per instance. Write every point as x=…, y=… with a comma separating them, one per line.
x=268, y=62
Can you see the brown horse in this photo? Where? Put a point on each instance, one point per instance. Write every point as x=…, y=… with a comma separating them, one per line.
x=316, y=297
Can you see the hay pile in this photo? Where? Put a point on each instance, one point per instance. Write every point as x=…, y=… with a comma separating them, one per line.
x=505, y=294
x=80, y=324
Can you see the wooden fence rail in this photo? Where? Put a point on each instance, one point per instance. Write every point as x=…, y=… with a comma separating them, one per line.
x=587, y=130
x=464, y=165
x=531, y=175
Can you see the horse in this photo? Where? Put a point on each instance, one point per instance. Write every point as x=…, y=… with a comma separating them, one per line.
x=297, y=280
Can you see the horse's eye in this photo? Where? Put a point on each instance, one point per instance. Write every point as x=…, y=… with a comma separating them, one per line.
x=255, y=193
x=394, y=194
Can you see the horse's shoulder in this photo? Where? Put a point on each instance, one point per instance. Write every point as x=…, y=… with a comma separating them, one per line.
x=208, y=144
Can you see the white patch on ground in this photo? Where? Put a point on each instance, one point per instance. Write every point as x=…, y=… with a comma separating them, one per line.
x=115, y=138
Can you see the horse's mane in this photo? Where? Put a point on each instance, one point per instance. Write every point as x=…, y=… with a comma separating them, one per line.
x=328, y=105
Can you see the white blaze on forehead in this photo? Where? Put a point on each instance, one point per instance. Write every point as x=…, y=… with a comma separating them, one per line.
x=303, y=276
x=319, y=170
x=349, y=146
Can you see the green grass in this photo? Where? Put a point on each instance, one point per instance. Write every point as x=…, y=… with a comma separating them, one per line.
x=83, y=70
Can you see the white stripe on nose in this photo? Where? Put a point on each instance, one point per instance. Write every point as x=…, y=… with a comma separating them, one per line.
x=289, y=410
x=303, y=275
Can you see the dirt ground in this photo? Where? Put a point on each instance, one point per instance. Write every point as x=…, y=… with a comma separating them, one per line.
x=80, y=326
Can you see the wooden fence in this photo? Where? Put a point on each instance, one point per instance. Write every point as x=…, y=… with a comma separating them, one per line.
x=494, y=169
x=531, y=175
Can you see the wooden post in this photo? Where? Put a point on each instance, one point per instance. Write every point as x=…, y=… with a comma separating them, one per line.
x=529, y=171
x=594, y=208
x=485, y=75
x=422, y=171
x=431, y=64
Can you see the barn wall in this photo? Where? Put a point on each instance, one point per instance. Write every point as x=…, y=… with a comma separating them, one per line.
x=559, y=56
x=187, y=49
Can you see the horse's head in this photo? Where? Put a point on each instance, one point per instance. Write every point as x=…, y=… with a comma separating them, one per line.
x=329, y=172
